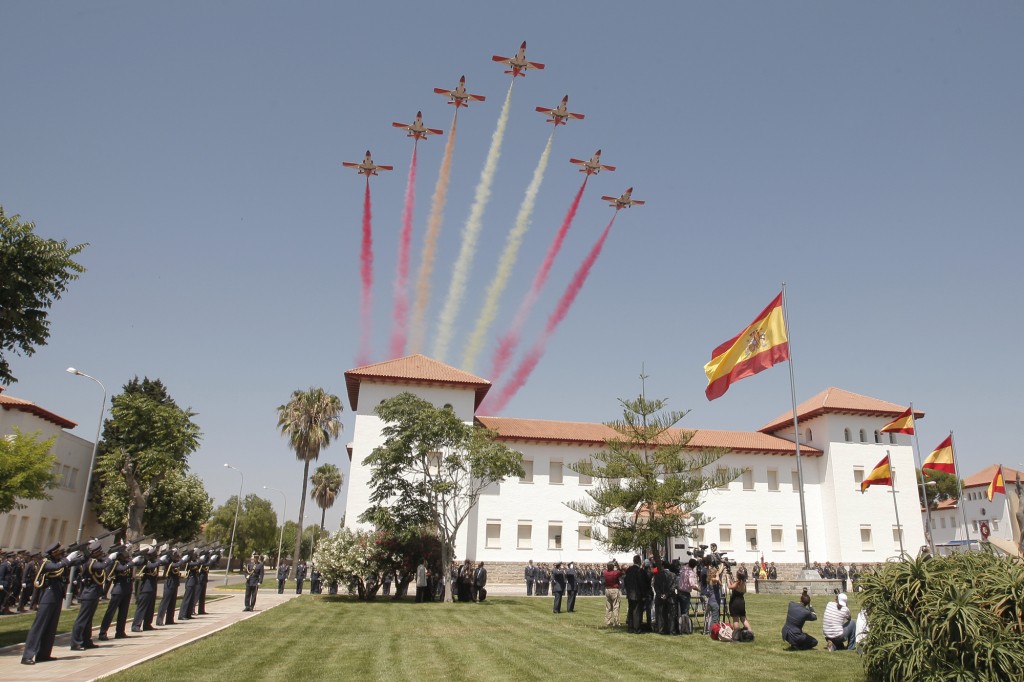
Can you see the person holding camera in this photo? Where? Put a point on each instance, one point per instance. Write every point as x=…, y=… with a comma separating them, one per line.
x=737, y=601
x=612, y=578
x=837, y=624
x=798, y=614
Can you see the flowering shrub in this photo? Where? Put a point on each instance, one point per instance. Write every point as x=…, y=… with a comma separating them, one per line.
x=359, y=559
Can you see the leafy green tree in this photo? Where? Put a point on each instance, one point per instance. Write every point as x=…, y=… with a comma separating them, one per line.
x=310, y=420
x=291, y=533
x=326, y=480
x=26, y=468
x=647, y=482
x=146, y=439
x=178, y=507
x=432, y=468
x=36, y=273
x=257, y=529
x=947, y=486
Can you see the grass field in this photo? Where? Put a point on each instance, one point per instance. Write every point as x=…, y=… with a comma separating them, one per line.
x=505, y=638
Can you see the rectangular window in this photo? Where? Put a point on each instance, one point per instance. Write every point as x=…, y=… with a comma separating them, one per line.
x=995, y=525
x=53, y=529
x=974, y=524
x=493, y=540
x=723, y=472
x=725, y=538
x=65, y=476
x=23, y=528
x=586, y=542
x=555, y=473
x=800, y=539
x=777, y=543
x=773, y=479
x=796, y=481
x=74, y=479
x=63, y=532
x=751, y=537
x=858, y=477
x=748, y=479
x=41, y=540
x=524, y=535
x=585, y=479
x=865, y=539
x=554, y=536
x=9, y=530
x=942, y=522
x=527, y=476
x=897, y=536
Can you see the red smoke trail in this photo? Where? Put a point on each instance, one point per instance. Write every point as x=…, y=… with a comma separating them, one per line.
x=510, y=340
x=528, y=364
x=399, y=321
x=366, y=271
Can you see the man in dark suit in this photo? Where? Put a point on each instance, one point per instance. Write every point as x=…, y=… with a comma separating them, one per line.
x=94, y=574
x=557, y=586
x=51, y=579
x=480, y=582
x=633, y=585
x=148, y=567
x=172, y=565
x=529, y=575
x=300, y=576
x=572, y=587
x=253, y=579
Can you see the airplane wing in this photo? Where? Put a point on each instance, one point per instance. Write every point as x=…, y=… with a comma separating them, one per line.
x=637, y=202
x=442, y=91
x=393, y=168
x=545, y=111
x=435, y=131
x=609, y=198
x=578, y=117
x=349, y=164
x=507, y=61
x=476, y=98
x=534, y=65
x=608, y=168
x=578, y=162
x=400, y=125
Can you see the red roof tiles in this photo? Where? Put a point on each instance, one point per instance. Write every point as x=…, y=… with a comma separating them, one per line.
x=413, y=369
x=837, y=401
x=11, y=403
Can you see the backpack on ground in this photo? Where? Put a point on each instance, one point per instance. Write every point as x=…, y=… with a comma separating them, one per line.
x=743, y=635
x=725, y=633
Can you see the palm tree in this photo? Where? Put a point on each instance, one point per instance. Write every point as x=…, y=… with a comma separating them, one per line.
x=310, y=421
x=326, y=480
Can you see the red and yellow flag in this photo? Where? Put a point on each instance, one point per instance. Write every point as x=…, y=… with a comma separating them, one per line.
x=941, y=458
x=998, y=485
x=880, y=475
x=762, y=344
x=901, y=424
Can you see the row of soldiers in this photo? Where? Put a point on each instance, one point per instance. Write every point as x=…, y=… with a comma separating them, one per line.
x=17, y=591
x=115, y=570
x=586, y=577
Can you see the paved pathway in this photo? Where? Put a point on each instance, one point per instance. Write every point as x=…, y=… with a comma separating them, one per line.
x=114, y=655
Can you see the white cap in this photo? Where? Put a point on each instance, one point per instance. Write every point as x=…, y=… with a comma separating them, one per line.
x=842, y=598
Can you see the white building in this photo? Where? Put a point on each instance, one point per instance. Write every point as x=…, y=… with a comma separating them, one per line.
x=43, y=521
x=757, y=514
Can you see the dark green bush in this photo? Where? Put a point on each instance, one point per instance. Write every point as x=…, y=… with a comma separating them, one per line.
x=948, y=618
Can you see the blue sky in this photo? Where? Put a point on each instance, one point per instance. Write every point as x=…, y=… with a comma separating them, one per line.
x=868, y=154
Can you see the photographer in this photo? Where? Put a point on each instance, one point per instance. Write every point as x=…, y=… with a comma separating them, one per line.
x=737, y=602
x=711, y=588
x=838, y=625
x=798, y=614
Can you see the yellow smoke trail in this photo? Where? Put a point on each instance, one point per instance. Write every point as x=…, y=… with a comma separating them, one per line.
x=508, y=259
x=470, y=234
x=430, y=242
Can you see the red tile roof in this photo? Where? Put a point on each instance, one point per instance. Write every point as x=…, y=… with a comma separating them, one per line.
x=11, y=403
x=587, y=433
x=985, y=476
x=413, y=369
x=837, y=401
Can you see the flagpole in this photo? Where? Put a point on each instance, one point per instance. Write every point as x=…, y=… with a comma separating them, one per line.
x=924, y=489
x=796, y=433
x=896, y=508
x=960, y=487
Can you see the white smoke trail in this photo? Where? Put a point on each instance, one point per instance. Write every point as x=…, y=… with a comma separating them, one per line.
x=513, y=241
x=470, y=235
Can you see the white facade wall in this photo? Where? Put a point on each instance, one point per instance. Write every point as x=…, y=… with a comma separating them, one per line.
x=948, y=525
x=366, y=433
x=43, y=521
x=843, y=525
x=996, y=513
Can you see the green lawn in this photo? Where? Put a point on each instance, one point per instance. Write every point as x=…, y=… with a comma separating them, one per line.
x=506, y=638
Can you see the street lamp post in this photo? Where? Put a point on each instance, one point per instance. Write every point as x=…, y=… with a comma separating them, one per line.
x=284, y=515
x=238, y=503
x=88, y=479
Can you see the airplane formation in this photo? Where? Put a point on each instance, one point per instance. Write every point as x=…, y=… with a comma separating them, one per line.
x=460, y=97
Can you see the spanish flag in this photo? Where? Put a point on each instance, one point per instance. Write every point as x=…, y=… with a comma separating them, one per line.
x=762, y=344
x=880, y=475
x=998, y=485
x=901, y=424
x=941, y=458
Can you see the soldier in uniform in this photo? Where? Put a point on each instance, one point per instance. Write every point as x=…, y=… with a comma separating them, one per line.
x=282, y=576
x=51, y=578
x=171, y=562
x=529, y=574
x=300, y=576
x=28, y=588
x=94, y=574
x=120, y=576
x=7, y=579
x=188, y=601
x=253, y=579
x=148, y=567
x=204, y=579
x=314, y=581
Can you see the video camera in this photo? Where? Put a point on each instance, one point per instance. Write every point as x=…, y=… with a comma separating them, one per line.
x=697, y=552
